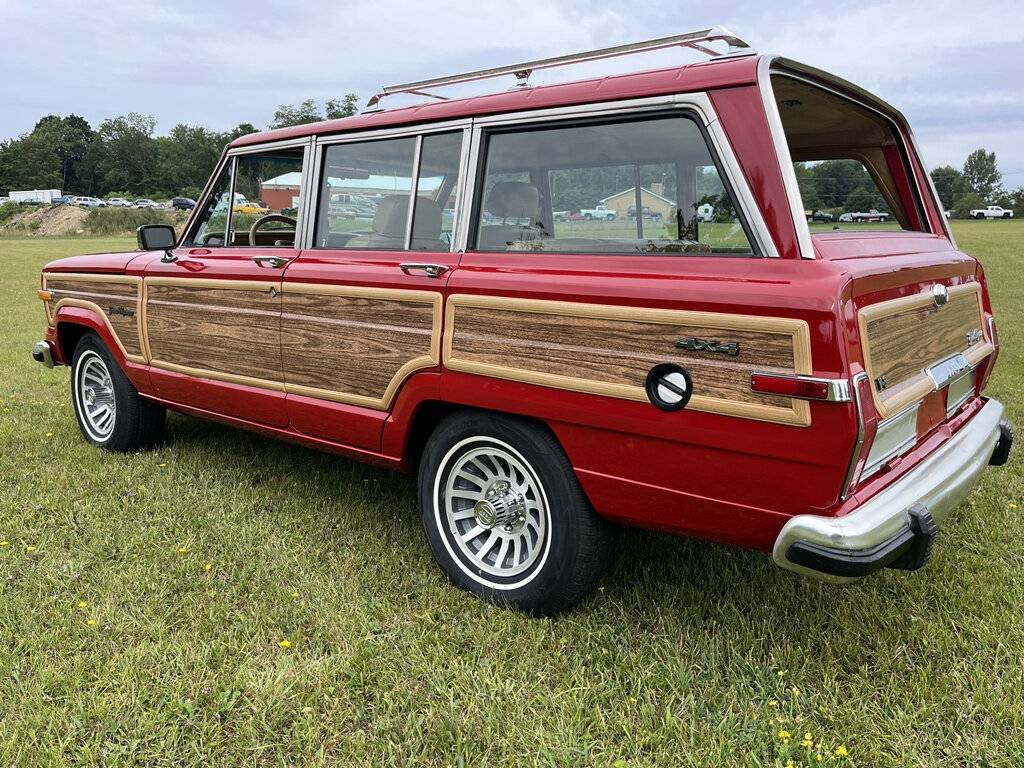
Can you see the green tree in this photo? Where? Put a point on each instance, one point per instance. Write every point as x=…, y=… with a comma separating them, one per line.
x=962, y=207
x=185, y=158
x=805, y=179
x=982, y=173
x=950, y=184
x=346, y=106
x=307, y=111
x=124, y=154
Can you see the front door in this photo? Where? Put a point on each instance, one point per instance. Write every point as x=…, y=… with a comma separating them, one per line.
x=361, y=309
x=213, y=308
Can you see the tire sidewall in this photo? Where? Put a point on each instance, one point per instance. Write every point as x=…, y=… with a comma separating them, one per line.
x=91, y=347
x=559, y=489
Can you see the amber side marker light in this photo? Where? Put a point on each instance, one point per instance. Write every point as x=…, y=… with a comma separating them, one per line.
x=46, y=295
x=789, y=386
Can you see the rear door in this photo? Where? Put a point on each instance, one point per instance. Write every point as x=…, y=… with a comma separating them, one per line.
x=213, y=306
x=361, y=308
x=573, y=319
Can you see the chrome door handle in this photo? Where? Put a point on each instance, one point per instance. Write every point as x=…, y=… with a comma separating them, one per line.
x=431, y=270
x=274, y=261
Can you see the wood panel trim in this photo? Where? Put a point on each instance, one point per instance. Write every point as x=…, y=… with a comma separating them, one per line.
x=921, y=385
x=798, y=414
x=432, y=298
x=52, y=309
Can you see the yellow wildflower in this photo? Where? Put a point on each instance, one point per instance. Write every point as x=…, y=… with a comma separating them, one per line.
x=49, y=434
x=5, y=543
x=208, y=567
x=295, y=594
x=30, y=548
x=790, y=764
x=781, y=673
x=842, y=751
x=785, y=736
x=91, y=622
x=773, y=703
x=285, y=644
x=807, y=742
x=82, y=604
x=796, y=692
x=182, y=550
x=162, y=465
x=819, y=757
x=1012, y=505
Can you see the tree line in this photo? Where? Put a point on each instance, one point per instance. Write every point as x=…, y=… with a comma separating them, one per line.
x=124, y=156
x=845, y=185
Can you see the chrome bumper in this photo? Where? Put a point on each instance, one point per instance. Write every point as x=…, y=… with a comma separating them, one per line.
x=42, y=352
x=881, y=530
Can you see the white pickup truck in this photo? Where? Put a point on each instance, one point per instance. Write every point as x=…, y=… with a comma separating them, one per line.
x=598, y=212
x=992, y=212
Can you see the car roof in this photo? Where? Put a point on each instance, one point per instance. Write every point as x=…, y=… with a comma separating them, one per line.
x=701, y=76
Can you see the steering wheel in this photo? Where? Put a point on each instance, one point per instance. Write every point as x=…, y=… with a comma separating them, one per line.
x=267, y=219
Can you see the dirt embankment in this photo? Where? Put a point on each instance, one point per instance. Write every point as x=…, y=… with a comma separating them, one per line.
x=48, y=220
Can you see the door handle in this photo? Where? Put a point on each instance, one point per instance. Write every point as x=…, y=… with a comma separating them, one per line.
x=431, y=270
x=274, y=261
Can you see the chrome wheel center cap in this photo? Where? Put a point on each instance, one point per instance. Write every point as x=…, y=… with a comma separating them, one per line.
x=90, y=396
x=501, y=506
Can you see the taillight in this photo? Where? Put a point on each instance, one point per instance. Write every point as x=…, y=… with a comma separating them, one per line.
x=803, y=387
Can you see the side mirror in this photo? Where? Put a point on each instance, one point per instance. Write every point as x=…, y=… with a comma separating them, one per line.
x=156, y=237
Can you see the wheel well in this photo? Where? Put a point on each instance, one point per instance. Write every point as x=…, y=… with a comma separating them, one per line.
x=431, y=413
x=69, y=334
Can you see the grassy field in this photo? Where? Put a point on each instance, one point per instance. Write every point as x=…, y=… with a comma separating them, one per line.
x=229, y=600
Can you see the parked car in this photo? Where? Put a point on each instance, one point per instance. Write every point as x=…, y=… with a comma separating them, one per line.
x=119, y=202
x=599, y=211
x=84, y=201
x=183, y=203
x=819, y=216
x=648, y=213
x=818, y=396
x=145, y=202
x=6, y=200
x=863, y=216
x=992, y=212
x=250, y=206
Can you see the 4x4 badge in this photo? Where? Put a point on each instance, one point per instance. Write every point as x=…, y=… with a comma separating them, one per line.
x=974, y=336
x=731, y=348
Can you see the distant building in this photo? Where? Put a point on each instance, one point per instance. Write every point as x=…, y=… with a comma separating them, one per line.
x=622, y=201
x=283, y=191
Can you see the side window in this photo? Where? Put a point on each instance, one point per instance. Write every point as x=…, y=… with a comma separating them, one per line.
x=366, y=189
x=267, y=202
x=212, y=222
x=640, y=186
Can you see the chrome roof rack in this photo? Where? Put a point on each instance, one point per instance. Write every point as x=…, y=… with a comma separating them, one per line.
x=698, y=41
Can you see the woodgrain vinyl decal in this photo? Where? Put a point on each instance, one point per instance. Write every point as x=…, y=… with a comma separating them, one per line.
x=116, y=298
x=608, y=350
x=356, y=345
x=902, y=337
x=222, y=329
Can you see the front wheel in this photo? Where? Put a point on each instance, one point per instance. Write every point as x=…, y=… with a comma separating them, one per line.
x=110, y=411
x=505, y=516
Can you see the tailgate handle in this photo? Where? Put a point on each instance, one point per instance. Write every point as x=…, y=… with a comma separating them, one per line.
x=430, y=270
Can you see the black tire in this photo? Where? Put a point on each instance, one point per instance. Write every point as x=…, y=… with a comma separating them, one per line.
x=1006, y=215
x=562, y=547
x=980, y=216
x=132, y=422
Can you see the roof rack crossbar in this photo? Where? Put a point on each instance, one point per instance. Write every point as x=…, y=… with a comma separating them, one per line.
x=737, y=46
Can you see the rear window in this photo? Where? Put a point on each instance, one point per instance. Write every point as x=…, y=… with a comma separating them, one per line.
x=850, y=162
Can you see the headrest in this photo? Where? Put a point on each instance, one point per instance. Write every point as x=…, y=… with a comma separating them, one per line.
x=393, y=213
x=391, y=216
x=513, y=200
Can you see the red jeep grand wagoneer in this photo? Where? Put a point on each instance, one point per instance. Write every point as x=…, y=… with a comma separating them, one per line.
x=464, y=289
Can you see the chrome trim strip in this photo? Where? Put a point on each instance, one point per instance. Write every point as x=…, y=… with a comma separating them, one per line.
x=414, y=182
x=858, y=446
x=248, y=149
x=901, y=428
x=940, y=482
x=838, y=389
x=796, y=204
x=307, y=197
x=393, y=132
x=467, y=187
x=960, y=390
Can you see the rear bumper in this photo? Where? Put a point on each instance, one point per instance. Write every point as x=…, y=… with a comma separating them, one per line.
x=897, y=526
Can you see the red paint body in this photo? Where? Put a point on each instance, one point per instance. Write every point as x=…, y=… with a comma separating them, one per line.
x=723, y=478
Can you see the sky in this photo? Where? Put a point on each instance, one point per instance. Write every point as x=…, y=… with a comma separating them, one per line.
x=955, y=69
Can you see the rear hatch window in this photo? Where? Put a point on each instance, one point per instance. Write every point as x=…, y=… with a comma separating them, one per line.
x=850, y=162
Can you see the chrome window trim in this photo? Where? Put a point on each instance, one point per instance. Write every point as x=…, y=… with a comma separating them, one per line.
x=393, y=132
x=414, y=181
x=697, y=103
x=851, y=470
x=249, y=149
x=467, y=178
x=796, y=203
x=190, y=222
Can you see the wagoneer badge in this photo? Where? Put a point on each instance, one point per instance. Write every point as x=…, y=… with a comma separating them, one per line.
x=125, y=311
x=974, y=336
x=731, y=348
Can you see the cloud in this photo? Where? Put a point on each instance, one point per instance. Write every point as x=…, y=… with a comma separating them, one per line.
x=953, y=68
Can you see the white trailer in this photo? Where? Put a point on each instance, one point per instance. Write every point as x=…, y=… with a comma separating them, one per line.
x=44, y=196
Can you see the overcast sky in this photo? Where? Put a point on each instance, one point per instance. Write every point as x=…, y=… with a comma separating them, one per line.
x=956, y=69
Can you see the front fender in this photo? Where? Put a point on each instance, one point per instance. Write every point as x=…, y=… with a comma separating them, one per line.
x=71, y=321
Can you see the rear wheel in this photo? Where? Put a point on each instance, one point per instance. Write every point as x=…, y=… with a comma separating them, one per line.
x=505, y=516
x=980, y=216
x=111, y=413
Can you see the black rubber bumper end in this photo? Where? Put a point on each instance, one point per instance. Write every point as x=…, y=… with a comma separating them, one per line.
x=907, y=550
x=1001, y=454
x=37, y=355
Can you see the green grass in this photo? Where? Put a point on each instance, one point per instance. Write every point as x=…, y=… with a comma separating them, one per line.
x=690, y=654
